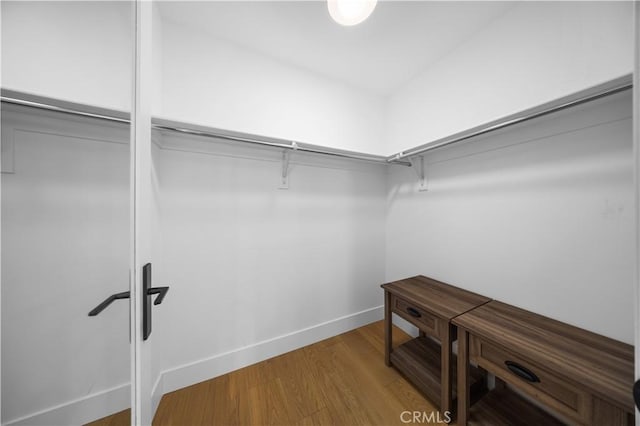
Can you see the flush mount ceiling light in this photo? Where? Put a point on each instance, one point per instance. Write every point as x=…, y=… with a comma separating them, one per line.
x=350, y=12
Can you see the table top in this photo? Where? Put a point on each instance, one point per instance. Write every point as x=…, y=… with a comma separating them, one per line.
x=603, y=365
x=443, y=300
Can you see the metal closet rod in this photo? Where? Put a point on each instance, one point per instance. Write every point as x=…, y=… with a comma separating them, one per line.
x=93, y=113
x=193, y=129
x=40, y=102
x=591, y=94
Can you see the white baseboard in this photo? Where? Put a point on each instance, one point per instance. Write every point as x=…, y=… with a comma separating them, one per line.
x=201, y=370
x=104, y=403
x=81, y=410
x=157, y=392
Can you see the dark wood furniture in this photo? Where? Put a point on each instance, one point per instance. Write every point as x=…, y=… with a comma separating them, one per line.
x=429, y=305
x=583, y=377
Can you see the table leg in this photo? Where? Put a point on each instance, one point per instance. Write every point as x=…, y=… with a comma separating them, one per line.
x=446, y=370
x=463, y=377
x=387, y=328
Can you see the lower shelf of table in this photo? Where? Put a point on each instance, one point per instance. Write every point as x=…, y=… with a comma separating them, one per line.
x=503, y=407
x=419, y=361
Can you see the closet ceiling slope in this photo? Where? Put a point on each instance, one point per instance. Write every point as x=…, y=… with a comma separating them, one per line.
x=397, y=42
x=535, y=52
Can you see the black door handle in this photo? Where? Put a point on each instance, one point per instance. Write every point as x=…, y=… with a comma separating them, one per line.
x=101, y=307
x=149, y=291
x=160, y=291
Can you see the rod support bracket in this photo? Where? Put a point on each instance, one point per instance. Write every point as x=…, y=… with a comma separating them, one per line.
x=417, y=163
x=284, y=179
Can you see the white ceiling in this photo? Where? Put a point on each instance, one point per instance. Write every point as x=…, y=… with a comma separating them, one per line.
x=398, y=41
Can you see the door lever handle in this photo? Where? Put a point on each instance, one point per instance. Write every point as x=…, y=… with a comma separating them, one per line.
x=160, y=291
x=149, y=291
x=101, y=307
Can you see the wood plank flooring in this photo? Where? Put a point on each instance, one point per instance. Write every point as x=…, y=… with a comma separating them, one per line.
x=338, y=381
x=123, y=418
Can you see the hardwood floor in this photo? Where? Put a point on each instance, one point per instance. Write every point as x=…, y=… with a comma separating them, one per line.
x=123, y=418
x=339, y=381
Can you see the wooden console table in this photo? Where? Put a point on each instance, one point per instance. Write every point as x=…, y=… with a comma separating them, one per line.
x=583, y=377
x=429, y=305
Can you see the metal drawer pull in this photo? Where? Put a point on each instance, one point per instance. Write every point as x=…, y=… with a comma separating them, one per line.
x=522, y=372
x=414, y=312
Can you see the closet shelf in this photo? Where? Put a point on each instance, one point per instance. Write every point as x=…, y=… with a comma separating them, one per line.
x=162, y=124
x=249, y=138
x=402, y=158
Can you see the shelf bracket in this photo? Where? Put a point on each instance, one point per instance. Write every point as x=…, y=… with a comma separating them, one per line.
x=417, y=163
x=284, y=179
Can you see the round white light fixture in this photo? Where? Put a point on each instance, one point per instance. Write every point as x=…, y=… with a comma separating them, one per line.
x=350, y=12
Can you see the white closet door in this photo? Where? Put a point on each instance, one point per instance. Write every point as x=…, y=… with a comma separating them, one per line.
x=148, y=288
x=66, y=213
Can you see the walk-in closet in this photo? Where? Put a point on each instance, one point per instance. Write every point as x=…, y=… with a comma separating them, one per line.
x=329, y=212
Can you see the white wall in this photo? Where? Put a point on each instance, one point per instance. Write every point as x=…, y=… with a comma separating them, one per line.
x=534, y=53
x=539, y=216
x=213, y=82
x=248, y=262
x=78, y=51
x=156, y=58
x=65, y=248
